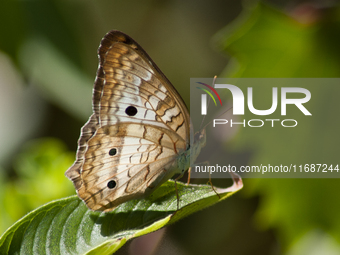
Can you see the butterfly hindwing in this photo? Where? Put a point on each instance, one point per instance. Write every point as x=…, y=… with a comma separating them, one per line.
x=131, y=155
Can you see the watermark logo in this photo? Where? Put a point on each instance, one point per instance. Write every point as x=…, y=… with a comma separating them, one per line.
x=240, y=101
x=204, y=97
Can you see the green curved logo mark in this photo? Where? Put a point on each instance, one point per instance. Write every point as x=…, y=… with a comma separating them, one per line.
x=209, y=93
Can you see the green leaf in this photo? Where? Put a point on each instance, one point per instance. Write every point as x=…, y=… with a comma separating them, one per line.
x=67, y=226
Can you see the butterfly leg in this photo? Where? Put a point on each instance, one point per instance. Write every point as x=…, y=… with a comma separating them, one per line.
x=189, y=170
x=212, y=186
x=177, y=195
x=209, y=182
x=189, y=174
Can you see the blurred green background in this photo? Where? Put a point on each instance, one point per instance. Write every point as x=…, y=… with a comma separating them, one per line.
x=48, y=63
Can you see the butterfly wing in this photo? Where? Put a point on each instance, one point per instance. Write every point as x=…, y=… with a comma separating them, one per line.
x=139, y=127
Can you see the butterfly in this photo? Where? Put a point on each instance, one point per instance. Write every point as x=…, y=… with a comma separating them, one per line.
x=138, y=136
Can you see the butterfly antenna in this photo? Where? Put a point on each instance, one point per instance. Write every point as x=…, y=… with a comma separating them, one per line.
x=208, y=104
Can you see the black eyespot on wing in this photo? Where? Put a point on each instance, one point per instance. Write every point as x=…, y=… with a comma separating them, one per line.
x=111, y=184
x=113, y=152
x=131, y=111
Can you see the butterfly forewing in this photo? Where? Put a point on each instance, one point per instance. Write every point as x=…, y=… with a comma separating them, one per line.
x=128, y=77
x=139, y=128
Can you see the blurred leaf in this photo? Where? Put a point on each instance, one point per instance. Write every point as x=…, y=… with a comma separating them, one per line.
x=267, y=43
x=66, y=226
x=56, y=76
x=315, y=243
x=40, y=167
x=19, y=106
